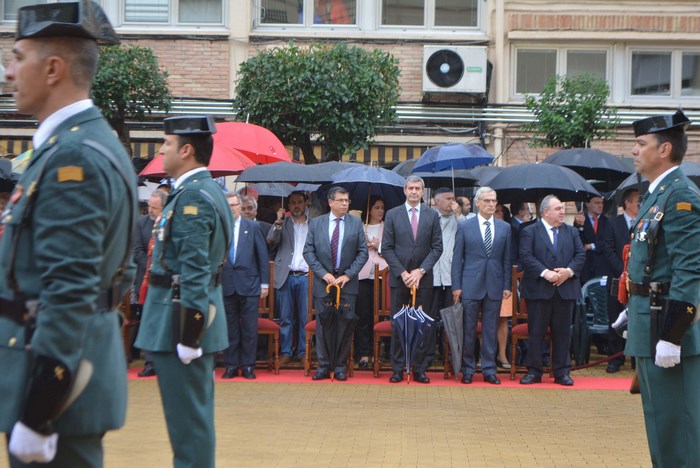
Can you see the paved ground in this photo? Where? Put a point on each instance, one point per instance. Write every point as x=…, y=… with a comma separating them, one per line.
x=309, y=425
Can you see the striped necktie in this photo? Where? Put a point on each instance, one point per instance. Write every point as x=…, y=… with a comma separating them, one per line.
x=488, y=241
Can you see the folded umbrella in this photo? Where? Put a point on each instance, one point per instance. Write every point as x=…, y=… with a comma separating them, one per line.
x=453, y=325
x=411, y=325
x=338, y=323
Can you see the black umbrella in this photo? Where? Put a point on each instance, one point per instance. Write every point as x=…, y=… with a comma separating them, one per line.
x=338, y=323
x=690, y=169
x=532, y=182
x=412, y=327
x=404, y=169
x=8, y=179
x=485, y=174
x=456, y=178
x=605, y=168
x=453, y=326
x=292, y=172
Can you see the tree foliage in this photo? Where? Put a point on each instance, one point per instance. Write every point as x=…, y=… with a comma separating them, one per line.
x=129, y=84
x=571, y=112
x=338, y=94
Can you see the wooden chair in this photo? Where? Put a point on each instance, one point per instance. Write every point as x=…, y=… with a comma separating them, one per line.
x=382, y=312
x=310, y=329
x=519, y=330
x=267, y=325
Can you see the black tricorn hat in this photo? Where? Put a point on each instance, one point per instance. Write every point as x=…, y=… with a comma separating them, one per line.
x=190, y=125
x=661, y=123
x=78, y=19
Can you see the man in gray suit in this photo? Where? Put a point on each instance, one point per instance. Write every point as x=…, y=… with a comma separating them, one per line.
x=288, y=236
x=335, y=251
x=481, y=275
x=411, y=245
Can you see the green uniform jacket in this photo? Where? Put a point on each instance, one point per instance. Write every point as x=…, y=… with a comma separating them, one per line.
x=191, y=241
x=77, y=236
x=677, y=259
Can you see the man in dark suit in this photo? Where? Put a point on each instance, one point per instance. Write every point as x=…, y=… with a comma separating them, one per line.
x=142, y=237
x=288, y=236
x=411, y=245
x=481, y=275
x=552, y=257
x=592, y=224
x=617, y=236
x=335, y=251
x=246, y=275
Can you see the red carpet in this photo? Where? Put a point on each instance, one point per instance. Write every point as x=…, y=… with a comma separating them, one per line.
x=436, y=380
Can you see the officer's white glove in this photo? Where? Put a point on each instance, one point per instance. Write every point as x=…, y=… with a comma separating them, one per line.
x=29, y=446
x=187, y=354
x=667, y=354
x=621, y=319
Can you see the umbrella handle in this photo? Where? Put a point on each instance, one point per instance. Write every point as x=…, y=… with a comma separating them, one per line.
x=413, y=296
x=337, y=293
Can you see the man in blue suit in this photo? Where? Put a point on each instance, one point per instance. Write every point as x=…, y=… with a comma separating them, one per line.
x=246, y=275
x=552, y=257
x=335, y=251
x=481, y=275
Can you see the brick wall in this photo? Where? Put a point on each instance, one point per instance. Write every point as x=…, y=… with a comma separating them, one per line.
x=608, y=23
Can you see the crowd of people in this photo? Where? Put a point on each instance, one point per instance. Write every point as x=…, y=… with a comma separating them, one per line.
x=66, y=257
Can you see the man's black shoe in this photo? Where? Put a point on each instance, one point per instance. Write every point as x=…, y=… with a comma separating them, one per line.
x=420, y=377
x=342, y=376
x=148, y=371
x=467, y=378
x=613, y=367
x=248, y=373
x=396, y=377
x=564, y=380
x=531, y=379
x=230, y=373
x=492, y=379
x=320, y=376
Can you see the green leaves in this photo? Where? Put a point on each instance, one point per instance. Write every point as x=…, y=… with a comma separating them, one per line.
x=336, y=93
x=129, y=83
x=571, y=112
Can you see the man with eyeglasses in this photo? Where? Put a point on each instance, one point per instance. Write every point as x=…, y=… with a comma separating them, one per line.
x=335, y=251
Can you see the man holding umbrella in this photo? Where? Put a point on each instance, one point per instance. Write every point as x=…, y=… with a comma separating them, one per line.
x=335, y=251
x=664, y=286
x=411, y=245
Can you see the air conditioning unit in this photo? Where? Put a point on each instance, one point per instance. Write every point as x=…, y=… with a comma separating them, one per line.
x=454, y=69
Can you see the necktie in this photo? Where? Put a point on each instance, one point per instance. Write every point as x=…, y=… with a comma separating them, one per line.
x=334, y=243
x=555, y=234
x=414, y=223
x=595, y=223
x=488, y=242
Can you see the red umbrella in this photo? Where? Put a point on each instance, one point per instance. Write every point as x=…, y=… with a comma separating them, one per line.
x=224, y=161
x=258, y=143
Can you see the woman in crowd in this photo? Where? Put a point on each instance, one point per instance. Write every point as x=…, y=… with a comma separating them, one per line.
x=374, y=227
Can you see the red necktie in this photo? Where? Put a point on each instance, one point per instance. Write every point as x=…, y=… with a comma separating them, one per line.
x=414, y=223
x=595, y=223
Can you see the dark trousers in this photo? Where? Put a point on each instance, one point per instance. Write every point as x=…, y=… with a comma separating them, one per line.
x=556, y=313
x=364, y=308
x=616, y=343
x=342, y=352
x=426, y=348
x=242, y=322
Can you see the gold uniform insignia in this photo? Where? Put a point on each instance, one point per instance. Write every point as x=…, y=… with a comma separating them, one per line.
x=198, y=316
x=52, y=140
x=58, y=372
x=190, y=210
x=684, y=206
x=690, y=310
x=70, y=174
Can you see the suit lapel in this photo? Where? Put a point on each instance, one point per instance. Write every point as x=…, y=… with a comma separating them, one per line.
x=476, y=232
x=242, y=236
x=544, y=237
x=422, y=220
x=404, y=219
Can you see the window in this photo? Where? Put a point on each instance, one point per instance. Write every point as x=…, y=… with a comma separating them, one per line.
x=441, y=13
x=306, y=12
x=174, y=11
x=535, y=66
x=669, y=74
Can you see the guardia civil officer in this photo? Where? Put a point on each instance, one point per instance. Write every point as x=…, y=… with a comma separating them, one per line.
x=66, y=250
x=184, y=321
x=664, y=287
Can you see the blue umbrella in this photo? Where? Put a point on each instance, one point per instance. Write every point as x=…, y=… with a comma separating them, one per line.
x=362, y=182
x=412, y=326
x=452, y=156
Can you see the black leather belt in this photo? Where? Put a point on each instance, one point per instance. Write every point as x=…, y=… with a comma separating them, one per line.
x=298, y=272
x=17, y=310
x=166, y=281
x=641, y=289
